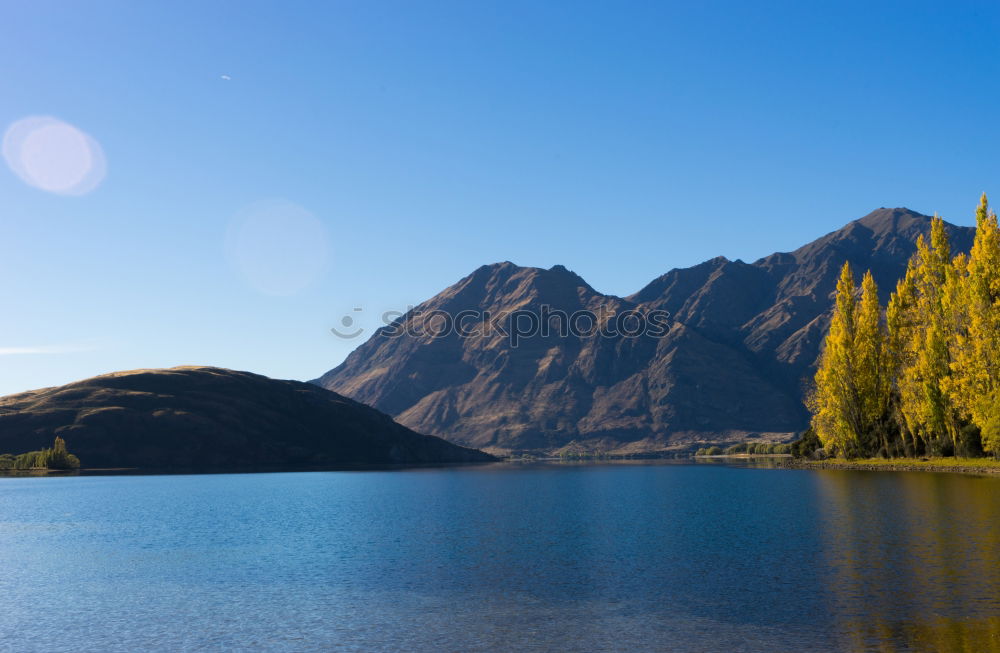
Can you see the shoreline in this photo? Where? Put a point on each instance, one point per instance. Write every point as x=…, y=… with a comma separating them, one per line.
x=744, y=456
x=988, y=466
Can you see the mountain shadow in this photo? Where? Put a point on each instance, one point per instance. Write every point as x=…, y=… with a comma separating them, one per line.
x=743, y=342
x=212, y=418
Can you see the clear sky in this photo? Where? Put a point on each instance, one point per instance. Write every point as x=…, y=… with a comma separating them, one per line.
x=272, y=165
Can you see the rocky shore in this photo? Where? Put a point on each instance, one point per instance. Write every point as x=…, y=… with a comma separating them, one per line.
x=961, y=466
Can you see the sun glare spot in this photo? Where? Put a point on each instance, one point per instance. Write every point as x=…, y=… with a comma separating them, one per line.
x=53, y=155
x=277, y=246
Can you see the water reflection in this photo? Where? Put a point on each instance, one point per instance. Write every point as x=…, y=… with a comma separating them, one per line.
x=914, y=559
x=601, y=557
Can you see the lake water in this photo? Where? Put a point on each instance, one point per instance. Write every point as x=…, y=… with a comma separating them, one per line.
x=660, y=556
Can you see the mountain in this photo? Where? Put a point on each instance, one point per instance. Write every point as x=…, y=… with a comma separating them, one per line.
x=207, y=417
x=735, y=364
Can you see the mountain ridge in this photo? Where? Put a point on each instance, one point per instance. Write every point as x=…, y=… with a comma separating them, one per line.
x=198, y=417
x=735, y=363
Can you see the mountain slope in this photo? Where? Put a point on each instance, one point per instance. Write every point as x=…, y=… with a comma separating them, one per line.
x=742, y=345
x=207, y=417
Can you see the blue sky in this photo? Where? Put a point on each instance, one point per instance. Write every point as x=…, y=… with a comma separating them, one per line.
x=411, y=142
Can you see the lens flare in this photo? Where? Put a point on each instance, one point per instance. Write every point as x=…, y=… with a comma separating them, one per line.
x=279, y=247
x=54, y=156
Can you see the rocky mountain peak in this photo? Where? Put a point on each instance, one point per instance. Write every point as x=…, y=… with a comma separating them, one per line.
x=735, y=363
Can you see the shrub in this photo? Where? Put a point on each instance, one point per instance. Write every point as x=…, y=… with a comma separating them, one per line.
x=807, y=443
x=970, y=442
x=55, y=458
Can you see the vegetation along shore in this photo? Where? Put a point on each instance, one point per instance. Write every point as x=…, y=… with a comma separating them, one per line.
x=921, y=378
x=948, y=464
x=56, y=458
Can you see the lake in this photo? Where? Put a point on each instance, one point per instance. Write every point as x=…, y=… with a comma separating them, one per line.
x=547, y=557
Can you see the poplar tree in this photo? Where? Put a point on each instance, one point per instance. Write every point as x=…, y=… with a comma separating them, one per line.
x=835, y=402
x=920, y=335
x=902, y=325
x=976, y=388
x=955, y=321
x=929, y=378
x=873, y=371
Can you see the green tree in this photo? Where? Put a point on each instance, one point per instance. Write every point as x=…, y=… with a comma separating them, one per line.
x=60, y=458
x=55, y=458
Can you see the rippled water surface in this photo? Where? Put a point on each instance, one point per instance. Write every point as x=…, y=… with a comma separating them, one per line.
x=678, y=557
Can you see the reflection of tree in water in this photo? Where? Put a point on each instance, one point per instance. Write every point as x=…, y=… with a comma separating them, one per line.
x=914, y=560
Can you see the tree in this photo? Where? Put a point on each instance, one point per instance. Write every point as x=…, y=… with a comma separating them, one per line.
x=851, y=403
x=955, y=306
x=807, y=443
x=835, y=403
x=59, y=457
x=872, y=370
x=976, y=388
x=901, y=319
x=55, y=458
x=929, y=379
x=919, y=332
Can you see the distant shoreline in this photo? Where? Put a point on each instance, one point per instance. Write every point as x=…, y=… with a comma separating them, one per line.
x=952, y=465
x=744, y=456
x=252, y=469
